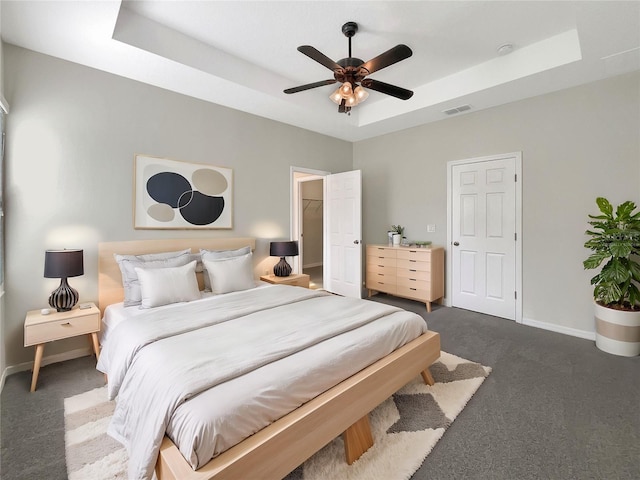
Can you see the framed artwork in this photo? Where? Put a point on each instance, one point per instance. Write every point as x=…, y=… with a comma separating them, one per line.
x=170, y=194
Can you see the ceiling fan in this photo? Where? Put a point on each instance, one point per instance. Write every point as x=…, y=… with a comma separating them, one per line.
x=351, y=72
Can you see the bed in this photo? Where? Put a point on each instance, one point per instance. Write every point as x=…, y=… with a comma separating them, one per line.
x=285, y=443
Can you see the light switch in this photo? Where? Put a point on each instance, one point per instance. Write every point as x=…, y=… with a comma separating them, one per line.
x=431, y=228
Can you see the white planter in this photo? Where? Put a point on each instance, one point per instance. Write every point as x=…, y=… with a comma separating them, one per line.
x=617, y=331
x=396, y=239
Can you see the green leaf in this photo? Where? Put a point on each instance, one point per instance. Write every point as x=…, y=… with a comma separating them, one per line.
x=620, y=249
x=594, y=260
x=615, y=272
x=634, y=268
x=634, y=295
x=623, y=212
x=604, y=206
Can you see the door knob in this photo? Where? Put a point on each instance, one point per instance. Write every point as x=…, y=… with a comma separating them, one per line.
x=356, y=242
x=455, y=244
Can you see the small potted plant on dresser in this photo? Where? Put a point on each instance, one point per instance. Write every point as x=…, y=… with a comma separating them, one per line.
x=615, y=240
x=398, y=234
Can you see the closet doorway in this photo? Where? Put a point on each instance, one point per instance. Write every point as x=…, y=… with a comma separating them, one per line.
x=312, y=239
x=307, y=226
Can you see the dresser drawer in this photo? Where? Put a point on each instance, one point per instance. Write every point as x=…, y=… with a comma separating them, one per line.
x=385, y=278
x=413, y=283
x=381, y=261
x=414, y=274
x=416, y=265
x=420, y=255
x=63, y=328
x=413, y=292
x=375, y=268
x=376, y=251
x=380, y=286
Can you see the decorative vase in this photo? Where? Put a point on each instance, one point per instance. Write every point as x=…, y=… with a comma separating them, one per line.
x=390, y=235
x=282, y=268
x=617, y=331
x=396, y=238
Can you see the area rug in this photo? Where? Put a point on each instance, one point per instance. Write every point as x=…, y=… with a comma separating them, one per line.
x=405, y=429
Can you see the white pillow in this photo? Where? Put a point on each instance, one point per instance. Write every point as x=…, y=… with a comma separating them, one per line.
x=217, y=255
x=162, y=286
x=230, y=274
x=128, y=264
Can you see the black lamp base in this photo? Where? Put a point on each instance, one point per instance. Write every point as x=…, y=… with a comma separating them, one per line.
x=64, y=297
x=282, y=268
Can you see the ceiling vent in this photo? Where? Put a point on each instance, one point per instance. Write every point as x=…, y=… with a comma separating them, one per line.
x=454, y=110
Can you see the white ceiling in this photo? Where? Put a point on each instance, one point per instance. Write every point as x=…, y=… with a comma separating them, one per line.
x=242, y=54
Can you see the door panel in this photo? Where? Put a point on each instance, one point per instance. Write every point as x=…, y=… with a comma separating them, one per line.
x=344, y=234
x=483, y=226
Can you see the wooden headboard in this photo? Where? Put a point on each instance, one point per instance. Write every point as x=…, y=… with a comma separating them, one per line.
x=110, y=288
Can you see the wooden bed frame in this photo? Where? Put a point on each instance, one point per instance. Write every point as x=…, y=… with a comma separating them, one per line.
x=280, y=447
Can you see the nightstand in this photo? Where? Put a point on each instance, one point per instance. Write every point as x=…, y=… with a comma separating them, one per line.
x=40, y=329
x=295, y=279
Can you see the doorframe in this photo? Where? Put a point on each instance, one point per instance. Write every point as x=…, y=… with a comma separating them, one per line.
x=295, y=205
x=517, y=156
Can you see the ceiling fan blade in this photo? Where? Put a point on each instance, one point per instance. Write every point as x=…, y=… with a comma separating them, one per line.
x=309, y=86
x=394, y=55
x=378, y=86
x=319, y=57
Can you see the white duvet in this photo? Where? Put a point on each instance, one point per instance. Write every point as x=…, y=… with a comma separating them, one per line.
x=212, y=372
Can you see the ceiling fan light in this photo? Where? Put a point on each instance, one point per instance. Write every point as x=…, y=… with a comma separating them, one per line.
x=336, y=97
x=351, y=101
x=360, y=93
x=346, y=90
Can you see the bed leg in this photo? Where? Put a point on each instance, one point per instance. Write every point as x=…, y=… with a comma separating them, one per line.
x=427, y=377
x=357, y=439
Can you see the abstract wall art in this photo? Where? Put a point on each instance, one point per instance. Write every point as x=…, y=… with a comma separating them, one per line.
x=170, y=194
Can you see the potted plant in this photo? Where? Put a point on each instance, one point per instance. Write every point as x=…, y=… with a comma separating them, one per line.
x=398, y=233
x=615, y=240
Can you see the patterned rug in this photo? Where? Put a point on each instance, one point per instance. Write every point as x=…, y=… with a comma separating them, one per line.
x=405, y=429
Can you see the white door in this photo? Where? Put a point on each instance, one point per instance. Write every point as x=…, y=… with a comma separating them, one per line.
x=484, y=218
x=343, y=234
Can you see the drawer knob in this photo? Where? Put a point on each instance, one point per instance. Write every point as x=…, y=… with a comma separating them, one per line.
x=412, y=289
x=67, y=324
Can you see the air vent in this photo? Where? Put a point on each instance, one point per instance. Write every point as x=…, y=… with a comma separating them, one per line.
x=454, y=110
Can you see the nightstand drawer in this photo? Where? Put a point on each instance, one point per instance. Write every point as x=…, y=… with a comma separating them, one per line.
x=57, y=329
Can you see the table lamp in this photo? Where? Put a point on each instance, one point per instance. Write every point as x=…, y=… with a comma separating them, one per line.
x=283, y=249
x=63, y=264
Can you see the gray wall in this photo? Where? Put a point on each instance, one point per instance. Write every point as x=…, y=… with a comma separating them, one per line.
x=73, y=132
x=577, y=144
x=72, y=136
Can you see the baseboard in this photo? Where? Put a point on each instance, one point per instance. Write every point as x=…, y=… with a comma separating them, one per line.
x=311, y=265
x=4, y=375
x=58, y=357
x=574, y=332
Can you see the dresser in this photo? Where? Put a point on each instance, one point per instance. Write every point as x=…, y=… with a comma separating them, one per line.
x=415, y=273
